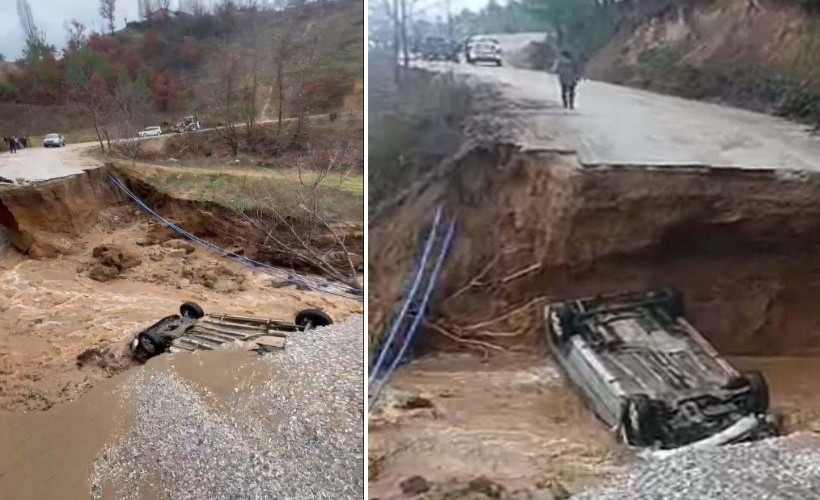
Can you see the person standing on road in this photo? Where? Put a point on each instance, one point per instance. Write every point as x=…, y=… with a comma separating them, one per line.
x=13, y=144
x=568, y=73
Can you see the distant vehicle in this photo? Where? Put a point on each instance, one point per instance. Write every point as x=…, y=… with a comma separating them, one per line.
x=53, y=141
x=645, y=371
x=438, y=48
x=150, y=132
x=483, y=49
x=188, y=124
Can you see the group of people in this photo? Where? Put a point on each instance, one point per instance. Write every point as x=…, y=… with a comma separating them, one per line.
x=15, y=143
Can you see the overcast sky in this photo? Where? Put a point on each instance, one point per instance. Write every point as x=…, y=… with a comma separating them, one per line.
x=50, y=16
x=438, y=8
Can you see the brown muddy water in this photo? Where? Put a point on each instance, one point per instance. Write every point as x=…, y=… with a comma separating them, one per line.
x=457, y=419
x=222, y=424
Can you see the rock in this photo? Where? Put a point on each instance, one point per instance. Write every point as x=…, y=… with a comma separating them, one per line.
x=485, y=486
x=161, y=233
x=414, y=485
x=177, y=252
x=179, y=244
x=183, y=283
x=416, y=402
x=117, y=256
x=147, y=242
x=103, y=273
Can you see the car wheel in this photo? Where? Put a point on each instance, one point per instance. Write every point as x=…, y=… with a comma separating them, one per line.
x=759, y=398
x=312, y=318
x=639, y=421
x=147, y=345
x=191, y=310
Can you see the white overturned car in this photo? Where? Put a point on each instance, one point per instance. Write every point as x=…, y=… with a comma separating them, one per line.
x=645, y=371
x=150, y=132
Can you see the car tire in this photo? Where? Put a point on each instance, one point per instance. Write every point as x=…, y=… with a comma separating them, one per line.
x=191, y=310
x=312, y=318
x=639, y=421
x=156, y=346
x=673, y=302
x=759, y=400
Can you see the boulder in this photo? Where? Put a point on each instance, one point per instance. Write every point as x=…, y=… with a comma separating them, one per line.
x=103, y=273
x=177, y=252
x=179, y=244
x=117, y=256
x=415, y=485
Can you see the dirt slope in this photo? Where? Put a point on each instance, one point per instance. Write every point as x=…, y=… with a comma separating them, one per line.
x=757, y=54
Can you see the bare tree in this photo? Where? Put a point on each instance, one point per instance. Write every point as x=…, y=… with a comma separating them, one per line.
x=146, y=9
x=36, y=46
x=228, y=95
x=296, y=227
x=195, y=7
x=250, y=98
x=282, y=54
x=301, y=102
x=76, y=35
x=107, y=11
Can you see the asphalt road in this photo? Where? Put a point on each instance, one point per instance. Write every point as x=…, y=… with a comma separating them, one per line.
x=39, y=164
x=615, y=125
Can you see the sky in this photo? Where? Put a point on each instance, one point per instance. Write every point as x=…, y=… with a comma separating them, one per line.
x=51, y=16
x=438, y=8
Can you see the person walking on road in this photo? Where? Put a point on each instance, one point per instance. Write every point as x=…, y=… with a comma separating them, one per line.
x=568, y=75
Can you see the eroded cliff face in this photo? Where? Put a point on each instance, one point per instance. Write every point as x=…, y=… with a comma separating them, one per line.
x=44, y=220
x=743, y=247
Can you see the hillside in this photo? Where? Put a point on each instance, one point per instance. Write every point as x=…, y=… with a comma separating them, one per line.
x=757, y=54
x=173, y=65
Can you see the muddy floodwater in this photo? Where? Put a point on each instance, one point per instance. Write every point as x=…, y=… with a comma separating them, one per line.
x=512, y=419
x=223, y=424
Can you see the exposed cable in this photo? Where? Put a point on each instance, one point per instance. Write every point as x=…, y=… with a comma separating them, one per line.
x=411, y=293
x=445, y=247
x=310, y=283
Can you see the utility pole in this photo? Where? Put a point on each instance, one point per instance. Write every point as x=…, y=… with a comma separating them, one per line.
x=449, y=19
x=405, y=49
x=396, y=40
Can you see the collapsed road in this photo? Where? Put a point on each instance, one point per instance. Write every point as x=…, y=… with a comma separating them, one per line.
x=632, y=190
x=83, y=270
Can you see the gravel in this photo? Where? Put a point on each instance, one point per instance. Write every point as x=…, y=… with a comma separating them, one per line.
x=776, y=468
x=298, y=434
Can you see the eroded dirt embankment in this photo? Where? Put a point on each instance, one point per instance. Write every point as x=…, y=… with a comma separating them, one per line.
x=743, y=247
x=44, y=219
x=66, y=315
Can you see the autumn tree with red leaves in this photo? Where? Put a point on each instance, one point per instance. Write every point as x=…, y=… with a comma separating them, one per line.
x=165, y=89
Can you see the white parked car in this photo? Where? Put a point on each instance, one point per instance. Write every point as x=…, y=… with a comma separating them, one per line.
x=483, y=49
x=150, y=132
x=53, y=141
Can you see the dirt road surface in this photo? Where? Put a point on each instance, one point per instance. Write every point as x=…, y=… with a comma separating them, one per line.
x=41, y=164
x=616, y=125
